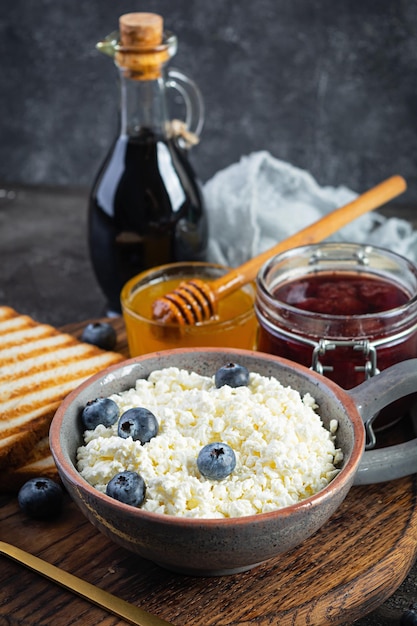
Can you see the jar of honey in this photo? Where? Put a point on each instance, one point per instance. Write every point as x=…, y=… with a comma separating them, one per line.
x=345, y=310
x=234, y=326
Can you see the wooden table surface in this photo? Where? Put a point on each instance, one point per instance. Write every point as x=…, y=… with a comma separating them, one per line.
x=347, y=569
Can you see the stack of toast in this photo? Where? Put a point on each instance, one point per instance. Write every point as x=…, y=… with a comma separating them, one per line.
x=39, y=366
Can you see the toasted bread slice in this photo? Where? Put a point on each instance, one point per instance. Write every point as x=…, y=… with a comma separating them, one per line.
x=39, y=366
x=39, y=462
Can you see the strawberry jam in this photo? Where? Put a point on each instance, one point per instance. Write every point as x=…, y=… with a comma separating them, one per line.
x=342, y=294
x=345, y=310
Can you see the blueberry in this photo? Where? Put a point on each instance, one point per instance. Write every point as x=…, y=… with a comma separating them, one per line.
x=40, y=498
x=100, y=334
x=127, y=487
x=232, y=374
x=99, y=411
x=138, y=423
x=216, y=461
x=409, y=617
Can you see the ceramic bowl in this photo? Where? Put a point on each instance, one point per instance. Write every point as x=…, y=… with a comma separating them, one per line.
x=209, y=546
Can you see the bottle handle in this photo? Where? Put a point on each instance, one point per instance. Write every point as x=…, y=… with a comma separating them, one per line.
x=194, y=103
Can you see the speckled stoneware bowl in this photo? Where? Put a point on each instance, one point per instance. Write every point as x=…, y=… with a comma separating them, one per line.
x=220, y=546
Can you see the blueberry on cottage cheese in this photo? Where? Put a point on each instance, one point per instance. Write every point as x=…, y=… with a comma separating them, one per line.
x=216, y=461
x=127, y=487
x=138, y=423
x=100, y=334
x=232, y=374
x=99, y=411
x=40, y=498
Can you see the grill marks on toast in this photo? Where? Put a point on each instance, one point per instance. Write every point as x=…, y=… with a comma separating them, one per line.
x=39, y=366
x=34, y=387
x=17, y=447
x=23, y=333
x=12, y=368
x=26, y=346
x=39, y=463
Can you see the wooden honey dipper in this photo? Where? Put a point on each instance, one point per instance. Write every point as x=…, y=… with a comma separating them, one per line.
x=196, y=301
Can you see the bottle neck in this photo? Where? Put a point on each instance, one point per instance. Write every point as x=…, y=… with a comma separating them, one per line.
x=142, y=105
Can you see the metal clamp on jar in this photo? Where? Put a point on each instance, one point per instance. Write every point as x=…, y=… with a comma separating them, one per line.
x=347, y=311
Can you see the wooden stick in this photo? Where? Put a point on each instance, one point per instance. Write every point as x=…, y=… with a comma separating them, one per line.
x=318, y=231
x=195, y=301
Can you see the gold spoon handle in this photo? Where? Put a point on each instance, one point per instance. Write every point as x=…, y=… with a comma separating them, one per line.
x=327, y=225
x=129, y=612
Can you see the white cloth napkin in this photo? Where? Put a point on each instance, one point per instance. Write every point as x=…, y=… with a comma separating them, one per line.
x=255, y=203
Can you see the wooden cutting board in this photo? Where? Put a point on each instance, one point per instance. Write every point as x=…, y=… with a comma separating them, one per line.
x=347, y=569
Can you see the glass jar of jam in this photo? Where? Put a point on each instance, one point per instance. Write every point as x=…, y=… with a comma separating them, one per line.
x=345, y=310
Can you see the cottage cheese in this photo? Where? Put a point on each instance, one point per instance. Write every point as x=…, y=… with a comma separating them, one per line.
x=283, y=452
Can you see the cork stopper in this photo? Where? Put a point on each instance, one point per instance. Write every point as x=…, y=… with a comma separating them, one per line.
x=142, y=51
x=141, y=30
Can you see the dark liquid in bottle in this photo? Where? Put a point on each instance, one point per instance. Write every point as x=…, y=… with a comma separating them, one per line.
x=146, y=209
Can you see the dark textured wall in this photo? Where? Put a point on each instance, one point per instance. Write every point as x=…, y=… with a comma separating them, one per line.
x=328, y=86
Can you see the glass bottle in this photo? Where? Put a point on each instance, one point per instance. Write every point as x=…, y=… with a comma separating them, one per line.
x=146, y=206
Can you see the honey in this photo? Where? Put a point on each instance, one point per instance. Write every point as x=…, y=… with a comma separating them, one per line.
x=235, y=325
